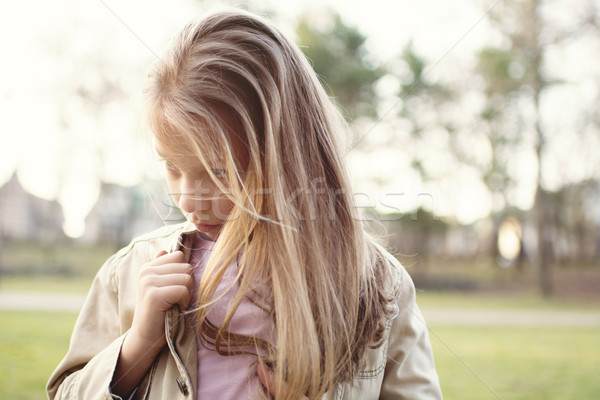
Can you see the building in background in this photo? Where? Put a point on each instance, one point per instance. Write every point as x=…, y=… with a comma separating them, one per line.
x=24, y=216
x=122, y=212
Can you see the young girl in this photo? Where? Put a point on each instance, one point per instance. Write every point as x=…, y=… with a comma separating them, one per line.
x=271, y=288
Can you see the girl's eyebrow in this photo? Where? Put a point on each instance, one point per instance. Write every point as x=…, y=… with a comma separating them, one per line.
x=161, y=157
x=158, y=153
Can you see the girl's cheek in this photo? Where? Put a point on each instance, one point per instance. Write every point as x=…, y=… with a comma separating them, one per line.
x=223, y=209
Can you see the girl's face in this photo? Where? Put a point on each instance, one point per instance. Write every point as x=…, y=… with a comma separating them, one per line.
x=193, y=190
x=190, y=185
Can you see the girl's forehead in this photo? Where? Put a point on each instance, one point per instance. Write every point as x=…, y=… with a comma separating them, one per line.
x=172, y=143
x=181, y=153
x=169, y=149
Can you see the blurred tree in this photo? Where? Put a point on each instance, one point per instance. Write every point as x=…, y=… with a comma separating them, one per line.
x=421, y=102
x=514, y=81
x=517, y=75
x=500, y=124
x=340, y=58
x=418, y=236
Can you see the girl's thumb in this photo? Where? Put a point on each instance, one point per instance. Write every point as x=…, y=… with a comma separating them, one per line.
x=161, y=253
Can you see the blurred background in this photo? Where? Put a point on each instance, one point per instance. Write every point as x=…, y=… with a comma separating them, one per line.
x=474, y=149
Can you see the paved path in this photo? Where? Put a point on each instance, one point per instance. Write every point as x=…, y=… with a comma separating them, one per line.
x=41, y=301
x=433, y=316
x=510, y=317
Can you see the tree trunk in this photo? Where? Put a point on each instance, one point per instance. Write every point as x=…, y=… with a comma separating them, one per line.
x=545, y=260
x=544, y=209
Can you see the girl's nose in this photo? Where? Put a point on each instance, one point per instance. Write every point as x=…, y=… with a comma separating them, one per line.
x=190, y=203
x=187, y=203
x=193, y=201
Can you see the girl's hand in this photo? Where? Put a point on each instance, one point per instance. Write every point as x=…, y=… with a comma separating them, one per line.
x=267, y=378
x=161, y=283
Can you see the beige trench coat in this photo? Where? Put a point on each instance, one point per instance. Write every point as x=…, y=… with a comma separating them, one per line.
x=402, y=368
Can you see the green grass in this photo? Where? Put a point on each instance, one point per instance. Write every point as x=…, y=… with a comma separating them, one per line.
x=46, y=284
x=33, y=343
x=62, y=259
x=517, y=363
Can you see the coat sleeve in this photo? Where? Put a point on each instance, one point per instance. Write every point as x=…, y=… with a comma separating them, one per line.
x=88, y=367
x=410, y=370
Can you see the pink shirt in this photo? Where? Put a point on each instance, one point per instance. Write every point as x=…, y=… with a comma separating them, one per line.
x=227, y=377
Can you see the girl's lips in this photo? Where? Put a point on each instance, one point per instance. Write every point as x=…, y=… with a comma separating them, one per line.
x=206, y=227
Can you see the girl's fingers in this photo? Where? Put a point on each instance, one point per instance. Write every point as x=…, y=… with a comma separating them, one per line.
x=162, y=298
x=164, y=258
x=182, y=279
x=167, y=263
x=165, y=281
x=181, y=296
x=267, y=378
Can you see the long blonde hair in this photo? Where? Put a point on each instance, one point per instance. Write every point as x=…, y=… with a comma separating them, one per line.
x=294, y=226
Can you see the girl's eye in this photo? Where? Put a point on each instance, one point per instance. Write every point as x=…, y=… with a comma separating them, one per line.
x=170, y=167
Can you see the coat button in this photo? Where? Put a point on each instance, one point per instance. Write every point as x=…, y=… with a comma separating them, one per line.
x=182, y=386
